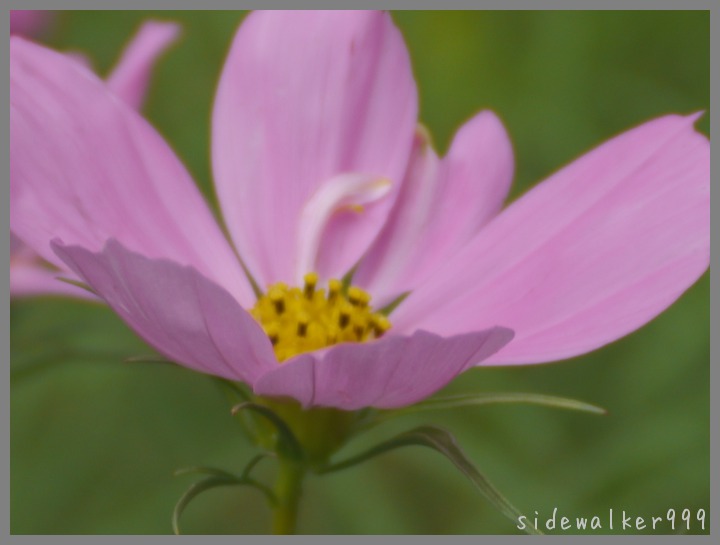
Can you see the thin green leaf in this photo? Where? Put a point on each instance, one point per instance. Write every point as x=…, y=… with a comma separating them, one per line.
x=77, y=284
x=453, y=402
x=287, y=444
x=41, y=364
x=218, y=478
x=234, y=389
x=215, y=472
x=61, y=355
x=347, y=279
x=150, y=358
x=203, y=470
x=253, y=283
x=395, y=303
x=443, y=442
x=469, y=400
x=254, y=461
x=365, y=418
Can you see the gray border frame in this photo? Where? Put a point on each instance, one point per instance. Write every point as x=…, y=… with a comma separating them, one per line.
x=714, y=516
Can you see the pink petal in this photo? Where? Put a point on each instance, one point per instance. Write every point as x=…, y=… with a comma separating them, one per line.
x=18, y=248
x=130, y=78
x=392, y=372
x=85, y=167
x=186, y=317
x=589, y=255
x=440, y=208
x=304, y=97
x=478, y=167
x=30, y=279
x=29, y=22
x=81, y=58
x=31, y=276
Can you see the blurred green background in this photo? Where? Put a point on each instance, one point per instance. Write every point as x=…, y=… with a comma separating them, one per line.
x=95, y=441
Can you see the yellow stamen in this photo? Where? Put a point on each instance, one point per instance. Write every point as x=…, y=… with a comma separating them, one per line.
x=334, y=287
x=359, y=330
x=303, y=321
x=277, y=297
x=311, y=280
x=298, y=320
x=344, y=318
x=271, y=330
x=380, y=324
x=358, y=297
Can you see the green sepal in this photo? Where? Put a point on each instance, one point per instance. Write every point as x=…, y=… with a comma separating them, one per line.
x=443, y=442
x=286, y=444
x=469, y=400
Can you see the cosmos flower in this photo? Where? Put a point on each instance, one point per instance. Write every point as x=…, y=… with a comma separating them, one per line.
x=30, y=275
x=320, y=170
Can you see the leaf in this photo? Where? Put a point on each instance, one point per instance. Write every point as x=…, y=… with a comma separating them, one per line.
x=77, y=284
x=218, y=477
x=453, y=402
x=443, y=442
x=255, y=460
x=213, y=472
x=151, y=358
x=395, y=303
x=287, y=444
x=192, y=492
x=468, y=400
x=59, y=356
x=233, y=389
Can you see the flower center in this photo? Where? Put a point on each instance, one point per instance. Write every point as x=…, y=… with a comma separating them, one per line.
x=300, y=320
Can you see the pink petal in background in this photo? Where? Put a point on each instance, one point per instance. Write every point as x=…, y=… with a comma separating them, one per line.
x=29, y=274
x=131, y=186
x=303, y=98
x=29, y=22
x=585, y=257
x=130, y=78
x=442, y=205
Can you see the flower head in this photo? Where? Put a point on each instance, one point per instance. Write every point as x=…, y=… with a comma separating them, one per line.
x=321, y=170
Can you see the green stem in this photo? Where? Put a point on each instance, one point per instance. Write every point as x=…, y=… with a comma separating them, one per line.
x=288, y=489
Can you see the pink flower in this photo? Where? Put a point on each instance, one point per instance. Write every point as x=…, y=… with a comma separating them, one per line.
x=29, y=274
x=29, y=22
x=319, y=167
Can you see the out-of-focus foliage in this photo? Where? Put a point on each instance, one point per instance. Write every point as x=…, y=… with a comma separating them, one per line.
x=95, y=440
